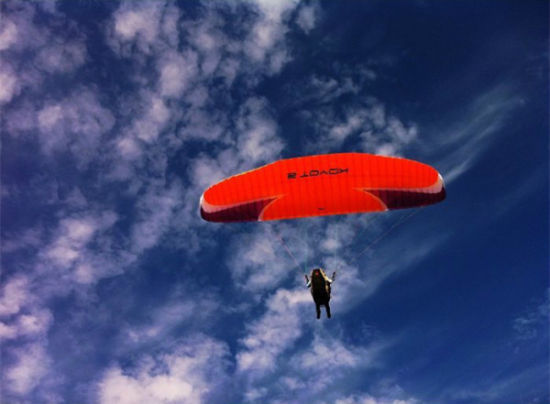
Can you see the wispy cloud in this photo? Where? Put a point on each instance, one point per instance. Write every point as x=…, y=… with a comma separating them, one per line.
x=315, y=366
x=369, y=399
x=132, y=136
x=277, y=330
x=14, y=295
x=525, y=384
x=532, y=324
x=8, y=35
x=365, y=123
x=307, y=16
x=31, y=364
x=257, y=262
x=10, y=85
x=190, y=373
x=465, y=141
x=109, y=182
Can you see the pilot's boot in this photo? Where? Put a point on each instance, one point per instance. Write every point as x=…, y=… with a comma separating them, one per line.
x=328, y=310
x=318, y=309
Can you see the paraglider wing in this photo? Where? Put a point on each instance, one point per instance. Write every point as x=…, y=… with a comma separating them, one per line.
x=328, y=184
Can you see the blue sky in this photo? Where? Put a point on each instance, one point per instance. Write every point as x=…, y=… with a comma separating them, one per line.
x=117, y=115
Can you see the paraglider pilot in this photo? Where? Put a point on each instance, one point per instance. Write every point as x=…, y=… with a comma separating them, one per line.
x=320, y=289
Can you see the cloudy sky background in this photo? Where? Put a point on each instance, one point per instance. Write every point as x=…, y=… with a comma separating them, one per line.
x=116, y=116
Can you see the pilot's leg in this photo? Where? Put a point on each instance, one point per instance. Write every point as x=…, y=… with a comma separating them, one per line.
x=318, y=308
x=327, y=306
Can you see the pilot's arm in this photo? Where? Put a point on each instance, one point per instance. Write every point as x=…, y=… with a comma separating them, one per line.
x=330, y=280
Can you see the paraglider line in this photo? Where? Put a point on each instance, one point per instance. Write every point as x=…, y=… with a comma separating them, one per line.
x=285, y=247
x=357, y=225
x=305, y=249
x=395, y=225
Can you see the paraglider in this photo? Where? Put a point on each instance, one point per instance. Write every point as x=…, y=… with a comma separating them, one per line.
x=320, y=286
x=322, y=185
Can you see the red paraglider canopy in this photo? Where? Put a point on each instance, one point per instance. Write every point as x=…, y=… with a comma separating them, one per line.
x=328, y=184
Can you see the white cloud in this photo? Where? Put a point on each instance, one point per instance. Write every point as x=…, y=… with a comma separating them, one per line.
x=177, y=72
x=307, y=17
x=128, y=147
x=150, y=117
x=274, y=10
x=530, y=324
x=255, y=136
x=76, y=124
x=158, y=112
x=43, y=49
x=169, y=25
x=387, y=135
x=84, y=273
x=31, y=365
x=327, y=361
x=277, y=363
x=229, y=70
x=258, y=140
x=33, y=325
x=263, y=37
x=21, y=120
x=7, y=331
x=361, y=275
x=205, y=171
x=330, y=355
x=272, y=334
x=208, y=38
x=397, y=130
x=9, y=87
x=201, y=123
x=15, y=293
x=74, y=234
x=385, y=149
x=368, y=399
x=49, y=116
x=258, y=261
x=366, y=123
x=137, y=25
x=80, y=251
x=119, y=388
x=151, y=27
x=355, y=120
x=131, y=23
x=265, y=43
x=189, y=374
x=254, y=394
x=253, y=142
x=161, y=323
x=63, y=254
x=8, y=34
x=325, y=90
x=61, y=58
x=155, y=118
x=155, y=212
x=464, y=141
x=17, y=25
x=500, y=386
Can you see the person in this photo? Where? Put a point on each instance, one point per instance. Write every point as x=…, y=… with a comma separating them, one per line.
x=320, y=286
